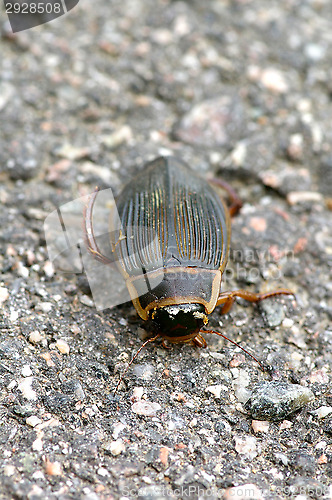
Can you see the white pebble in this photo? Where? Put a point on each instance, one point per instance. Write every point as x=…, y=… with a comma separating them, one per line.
x=146, y=408
x=62, y=346
x=48, y=269
x=102, y=472
x=323, y=411
x=37, y=445
x=294, y=197
x=25, y=386
x=117, y=447
x=246, y=446
x=274, y=80
x=26, y=371
x=38, y=475
x=287, y=322
x=215, y=390
x=33, y=421
x=4, y=294
x=260, y=425
x=35, y=337
x=14, y=315
x=45, y=307
x=22, y=270
x=9, y=470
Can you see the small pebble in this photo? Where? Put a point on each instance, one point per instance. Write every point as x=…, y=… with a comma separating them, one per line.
x=71, y=152
x=274, y=80
x=85, y=299
x=144, y=371
x=33, y=421
x=38, y=475
x=25, y=386
x=238, y=154
x=98, y=171
x=48, y=269
x=75, y=329
x=321, y=445
x=303, y=463
x=37, y=445
x=295, y=147
x=322, y=459
x=215, y=390
x=282, y=458
x=285, y=424
x=287, y=323
x=323, y=411
x=319, y=377
x=62, y=346
x=26, y=371
x=123, y=135
x=117, y=447
x=273, y=312
x=137, y=394
x=146, y=408
x=102, y=472
x=276, y=400
x=260, y=425
x=193, y=422
x=163, y=455
x=295, y=197
x=7, y=91
x=45, y=307
x=35, y=337
x=14, y=315
x=22, y=270
x=53, y=468
x=117, y=428
x=246, y=445
x=259, y=224
x=314, y=52
x=238, y=359
x=4, y=294
x=9, y=470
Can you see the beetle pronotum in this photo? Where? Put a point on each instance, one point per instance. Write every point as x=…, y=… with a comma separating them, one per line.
x=192, y=224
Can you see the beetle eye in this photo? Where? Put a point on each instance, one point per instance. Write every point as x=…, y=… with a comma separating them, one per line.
x=179, y=320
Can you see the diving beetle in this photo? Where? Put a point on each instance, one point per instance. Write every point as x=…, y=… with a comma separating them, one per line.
x=192, y=223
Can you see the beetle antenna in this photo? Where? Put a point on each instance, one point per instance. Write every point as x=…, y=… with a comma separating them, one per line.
x=238, y=345
x=133, y=359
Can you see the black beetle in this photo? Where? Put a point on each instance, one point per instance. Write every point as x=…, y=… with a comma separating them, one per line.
x=193, y=228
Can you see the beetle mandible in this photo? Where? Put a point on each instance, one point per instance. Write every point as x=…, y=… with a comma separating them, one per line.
x=192, y=224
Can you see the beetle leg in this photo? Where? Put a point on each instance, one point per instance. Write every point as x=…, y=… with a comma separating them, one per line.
x=133, y=359
x=199, y=341
x=89, y=236
x=236, y=203
x=163, y=343
x=226, y=299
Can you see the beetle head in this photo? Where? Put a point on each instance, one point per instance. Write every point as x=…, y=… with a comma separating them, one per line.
x=178, y=323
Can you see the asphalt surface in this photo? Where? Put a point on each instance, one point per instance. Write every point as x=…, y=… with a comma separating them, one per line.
x=237, y=89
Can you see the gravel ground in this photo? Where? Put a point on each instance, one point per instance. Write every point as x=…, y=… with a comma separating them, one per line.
x=236, y=88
